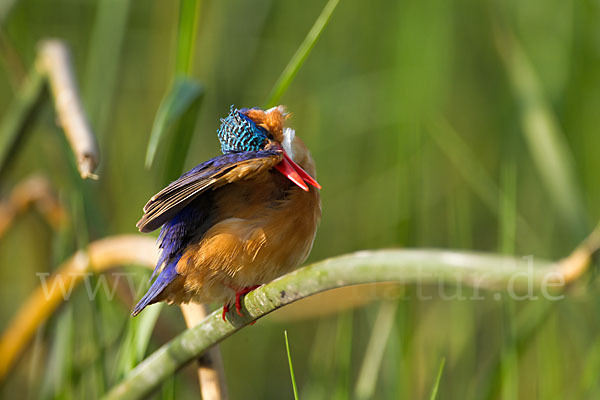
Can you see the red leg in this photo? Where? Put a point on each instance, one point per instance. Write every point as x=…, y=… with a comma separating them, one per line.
x=225, y=311
x=239, y=294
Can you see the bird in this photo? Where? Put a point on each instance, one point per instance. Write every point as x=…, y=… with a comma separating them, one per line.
x=238, y=220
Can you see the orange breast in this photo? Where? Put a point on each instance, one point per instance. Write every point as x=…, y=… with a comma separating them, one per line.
x=266, y=227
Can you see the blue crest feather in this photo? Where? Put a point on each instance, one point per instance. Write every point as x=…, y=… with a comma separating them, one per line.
x=239, y=133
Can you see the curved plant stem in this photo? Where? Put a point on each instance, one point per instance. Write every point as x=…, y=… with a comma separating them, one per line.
x=99, y=257
x=425, y=266
x=404, y=266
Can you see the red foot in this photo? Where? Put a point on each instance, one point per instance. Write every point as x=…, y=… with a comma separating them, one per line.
x=238, y=302
x=225, y=311
x=238, y=296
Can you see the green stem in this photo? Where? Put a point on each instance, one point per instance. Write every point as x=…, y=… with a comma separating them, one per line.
x=17, y=115
x=293, y=377
x=189, y=14
x=547, y=143
x=290, y=71
x=424, y=266
x=434, y=391
x=380, y=333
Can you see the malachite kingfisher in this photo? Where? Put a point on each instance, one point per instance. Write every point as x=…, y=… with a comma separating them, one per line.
x=238, y=220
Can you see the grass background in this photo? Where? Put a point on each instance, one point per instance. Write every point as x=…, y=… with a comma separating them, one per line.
x=434, y=123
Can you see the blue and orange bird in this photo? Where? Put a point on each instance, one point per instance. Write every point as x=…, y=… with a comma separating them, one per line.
x=236, y=221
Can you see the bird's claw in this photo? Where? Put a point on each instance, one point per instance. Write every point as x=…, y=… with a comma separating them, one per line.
x=225, y=311
x=238, y=301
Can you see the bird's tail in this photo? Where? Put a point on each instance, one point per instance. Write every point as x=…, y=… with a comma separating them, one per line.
x=166, y=276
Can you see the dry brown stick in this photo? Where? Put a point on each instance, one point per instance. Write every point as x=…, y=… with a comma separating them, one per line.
x=100, y=256
x=54, y=62
x=211, y=373
x=575, y=264
x=54, y=66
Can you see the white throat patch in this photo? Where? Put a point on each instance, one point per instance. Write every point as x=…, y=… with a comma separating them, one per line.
x=288, y=137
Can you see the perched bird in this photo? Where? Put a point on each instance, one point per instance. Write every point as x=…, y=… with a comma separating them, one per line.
x=238, y=220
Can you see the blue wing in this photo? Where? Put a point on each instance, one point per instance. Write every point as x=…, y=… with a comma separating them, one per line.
x=211, y=174
x=185, y=210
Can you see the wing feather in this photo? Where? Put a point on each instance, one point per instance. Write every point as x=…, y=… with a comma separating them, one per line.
x=212, y=174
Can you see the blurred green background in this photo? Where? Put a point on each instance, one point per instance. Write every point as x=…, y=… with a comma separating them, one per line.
x=433, y=123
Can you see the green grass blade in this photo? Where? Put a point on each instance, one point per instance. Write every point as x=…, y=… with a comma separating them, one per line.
x=436, y=386
x=343, y=355
x=290, y=71
x=145, y=327
x=11, y=61
x=481, y=182
x=181, y=140
x=509, y=361
x=103, y=61
x=18, y=113
x=507, y=217
x=5, y=8
x=289, y=355
x=189, y=12
x=184, y=91
x=168, y=390
x=527, y=325
x=547, y=143
x=588, y=383
x=320, y=361
x=135, y=341
x=58, y=382
x=463, y=158
x=177, y=101
x=136, y=338
x=380, y=333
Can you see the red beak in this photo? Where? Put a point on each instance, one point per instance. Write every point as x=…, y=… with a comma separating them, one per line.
x=294, y=173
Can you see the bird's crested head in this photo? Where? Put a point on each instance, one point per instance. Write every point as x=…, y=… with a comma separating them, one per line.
x=249, y=129
x=254, y=129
